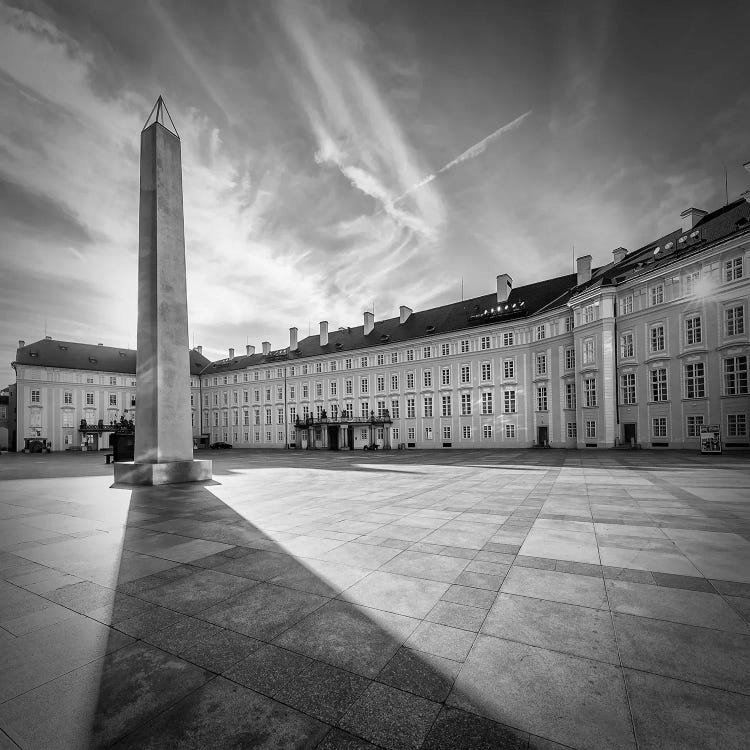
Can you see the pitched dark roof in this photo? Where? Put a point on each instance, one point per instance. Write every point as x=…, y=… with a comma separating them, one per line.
x=522, y=301
x=73, y=355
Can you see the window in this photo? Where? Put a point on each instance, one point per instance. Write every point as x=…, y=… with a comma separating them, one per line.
x=736, y=425
x=256, y=396
x=570, y=395
x=380, y=383
x=510, y=430
x=381, y=409
x=626, y=305
x=364, y=409
x=216, y=399
x=570, y=358
x=268, y=436
x=113, y=399
x=659, y=384
x=225, y=397
x=395, y=408
x=487, y=431
x=464, y=346
x=588, y=351
x=657, y=294
x=426, y=352
x=36, y=397
x=466, y=432
x=89, y=399
x=627, y=388
x=590, y=428
x=509, y=402
x=364, y=385
x=268, y=393
x=428, y=432
x=394, y=433
x=446, y=406
x=334, y=388
x=428, y=406
x=68, y=397
x=540, y=332
x=279, y=415
x=735, y=320
x=656, y=338
x=256, y=417
x=334, y=411
x=509, y=369
x=394, y=361
x=410, y=355
x=446, y=432
x=332, y=366
x=465, y=374
x=410, y=409
x=112, y=380
x=291, y=392
x=659, y=427
x=465, y=404
x=427, y=378
x=486, y=371
x=541, y=364
x=733, y=269
x=280, y=392
x=695, y=380
x=541, y=398
x=589, y=391
x=508, y=338
x=627, y=347
x=363, y=362
x=735, y=376
x=484, y=342
x=694, y=423
x=246, y=397
x=691, y=282
x=305, y=392
x=693, y=332
x=487, y=403
x=268, y=416
x=445, y=349
x=348, y=363
x=381, y=359
x=67, y=417
x=394, y=382
x=445, y=376
x=411, y=433
x=589, y=313
x=568, y=323
x=348, y=387
x=572, y=430
x=410, y=380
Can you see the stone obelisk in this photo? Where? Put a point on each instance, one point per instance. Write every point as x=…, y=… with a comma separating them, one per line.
x=163, y=430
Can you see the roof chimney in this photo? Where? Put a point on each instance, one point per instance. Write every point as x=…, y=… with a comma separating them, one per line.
x=231, y=353
x=199, y=349
x=266, y=347
x=249, y=349
x=369, y=322
x=619, y=254
x=404, y=313
x=21, y=343
x=583, y=269
x=324, y=333
x=293, y=340
x=504, y=285
x=693, y=216
x=48, y=338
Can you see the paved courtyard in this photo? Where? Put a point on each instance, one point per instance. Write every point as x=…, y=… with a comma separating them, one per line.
x=443, y=600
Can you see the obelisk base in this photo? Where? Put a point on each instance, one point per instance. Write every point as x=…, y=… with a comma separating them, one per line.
x=168, y=472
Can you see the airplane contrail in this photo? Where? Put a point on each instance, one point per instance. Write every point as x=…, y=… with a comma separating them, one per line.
x=470, y=153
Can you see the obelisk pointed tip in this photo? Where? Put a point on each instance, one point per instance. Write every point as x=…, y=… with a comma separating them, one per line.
x=160, y=114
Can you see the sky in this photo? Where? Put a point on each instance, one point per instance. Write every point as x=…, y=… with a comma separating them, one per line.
x=339, y=156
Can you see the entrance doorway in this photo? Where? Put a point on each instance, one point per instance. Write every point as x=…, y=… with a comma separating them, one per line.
x=542, y=435
x=350, y=437
x=629, y=433
x=333, y=438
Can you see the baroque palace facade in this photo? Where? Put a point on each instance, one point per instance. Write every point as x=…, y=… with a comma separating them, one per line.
x=643, y=350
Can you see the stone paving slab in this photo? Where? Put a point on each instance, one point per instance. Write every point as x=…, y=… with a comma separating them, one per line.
x=417, y=600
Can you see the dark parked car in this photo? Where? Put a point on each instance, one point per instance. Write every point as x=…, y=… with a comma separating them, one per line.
x=220, y=445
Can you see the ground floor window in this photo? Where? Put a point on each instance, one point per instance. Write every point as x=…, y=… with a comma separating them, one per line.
x=694, y=423
x=510, y=430
x=446, y=432
x=487, y=432
x=466, y=432
x=411, y=433
x=659, y=426
x=394, y=433
x=572, y=430
x=428, y=433
x=590, y=428
x=736, y=425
